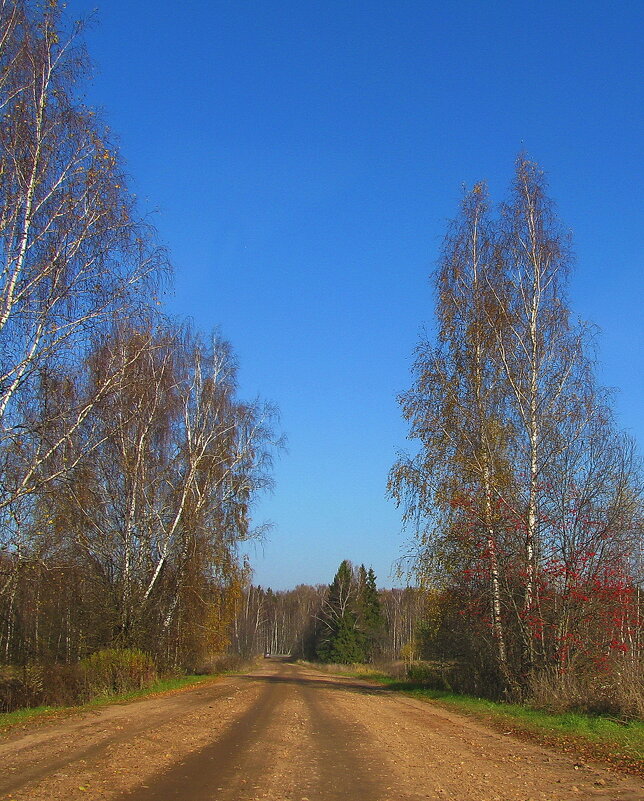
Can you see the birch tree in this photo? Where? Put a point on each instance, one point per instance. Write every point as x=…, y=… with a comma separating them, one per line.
x=73, y=256
x=163, y=502
x=223, y=460
x=456, y=410
x=73, y=260
x=521, y=483
x=543, y=355
x=125, y=454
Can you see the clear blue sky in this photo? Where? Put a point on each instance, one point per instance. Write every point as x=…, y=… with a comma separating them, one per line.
x=303, y=159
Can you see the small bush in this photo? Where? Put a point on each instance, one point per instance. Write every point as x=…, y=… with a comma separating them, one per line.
x=107, y=672
x=397, y=669
x=37, y=685
x=14, y=692
x=113, y=671
x=434, y=675
x=63, y=685
x=616, y=693
x=222, y=663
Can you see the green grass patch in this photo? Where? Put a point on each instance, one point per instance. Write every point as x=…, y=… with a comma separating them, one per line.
x=156, y=688
x=9, y=720
x=619, y=743
x=627, y=736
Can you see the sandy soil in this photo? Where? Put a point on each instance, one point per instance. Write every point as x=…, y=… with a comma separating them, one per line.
x=289, y=734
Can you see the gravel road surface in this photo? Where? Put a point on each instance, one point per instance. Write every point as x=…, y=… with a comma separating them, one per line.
x=288, y=733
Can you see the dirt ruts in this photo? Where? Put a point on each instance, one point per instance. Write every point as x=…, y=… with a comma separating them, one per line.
x=287, y=733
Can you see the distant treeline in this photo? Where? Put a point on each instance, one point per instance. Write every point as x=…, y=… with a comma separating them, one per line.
x=343, y=622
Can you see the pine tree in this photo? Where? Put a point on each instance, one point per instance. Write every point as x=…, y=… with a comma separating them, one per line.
x=370, y=618
x=340, y=639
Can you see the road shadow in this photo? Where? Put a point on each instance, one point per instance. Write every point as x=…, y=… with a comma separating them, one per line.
x=330, y=682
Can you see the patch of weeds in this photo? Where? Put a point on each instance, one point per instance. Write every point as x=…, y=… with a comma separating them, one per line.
x=158, y=687
x=10, y=720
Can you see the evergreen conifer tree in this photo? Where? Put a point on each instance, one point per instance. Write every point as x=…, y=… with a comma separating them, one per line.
x=370, y=618
x=340, y=639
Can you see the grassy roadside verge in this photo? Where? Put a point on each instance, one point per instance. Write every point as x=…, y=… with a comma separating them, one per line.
x=618, y=744
x=11, y=720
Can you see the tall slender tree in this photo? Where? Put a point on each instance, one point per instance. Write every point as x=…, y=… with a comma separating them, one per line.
x=128, y=465
x=340, y=639
x=456, y=409
x=370, y=619
x=74, y=257
x=513, y=430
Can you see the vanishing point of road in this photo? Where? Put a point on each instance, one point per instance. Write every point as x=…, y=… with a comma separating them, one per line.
x=288, y=733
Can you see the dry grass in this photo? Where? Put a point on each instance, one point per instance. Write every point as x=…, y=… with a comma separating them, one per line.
x=618, y=694
x=104, y=673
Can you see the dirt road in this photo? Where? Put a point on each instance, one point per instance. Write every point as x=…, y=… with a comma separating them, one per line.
x=285, y=732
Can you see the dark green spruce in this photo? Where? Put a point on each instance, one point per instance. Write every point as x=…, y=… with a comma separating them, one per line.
x=352, y=625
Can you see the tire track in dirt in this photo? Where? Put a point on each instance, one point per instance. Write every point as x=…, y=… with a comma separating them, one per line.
x=286, y=733
x=41, y=753
x=342, y=766
x=439, y=755
x=218, y=769
x=288, y=745
x=143, y=748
